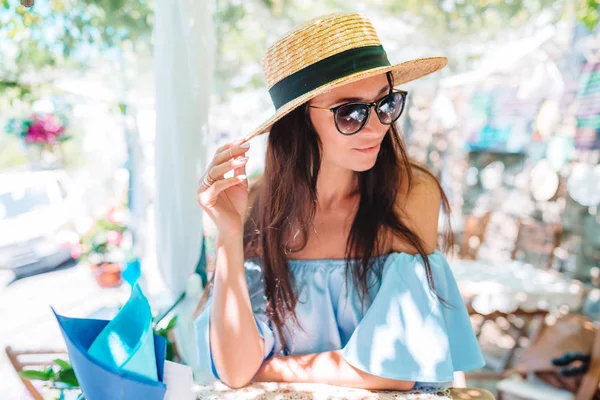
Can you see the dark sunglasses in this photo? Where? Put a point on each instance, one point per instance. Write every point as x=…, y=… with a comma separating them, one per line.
x=350, y=118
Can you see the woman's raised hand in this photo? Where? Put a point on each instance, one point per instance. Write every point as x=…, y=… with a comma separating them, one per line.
x=226, y=200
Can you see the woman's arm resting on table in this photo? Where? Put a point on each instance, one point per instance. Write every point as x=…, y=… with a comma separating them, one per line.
x=329, y=368
x=233, y=332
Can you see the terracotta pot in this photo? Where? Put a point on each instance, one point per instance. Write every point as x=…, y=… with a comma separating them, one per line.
x=107, y=275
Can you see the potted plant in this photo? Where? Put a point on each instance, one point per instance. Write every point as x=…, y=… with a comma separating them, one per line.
x=105, y=247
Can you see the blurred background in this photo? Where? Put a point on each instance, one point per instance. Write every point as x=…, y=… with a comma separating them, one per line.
x=109, y=110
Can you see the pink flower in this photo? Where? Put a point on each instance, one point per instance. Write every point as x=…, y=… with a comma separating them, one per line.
x=114, y=237
x=116, y=216
x=44, y=129
x=76, y=250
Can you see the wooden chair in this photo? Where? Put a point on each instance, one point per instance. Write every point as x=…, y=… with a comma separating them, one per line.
x=472, y=237
x=535, y=244
x=529, y=325
x=535, y=389
x=21, y=359
x=536, y=241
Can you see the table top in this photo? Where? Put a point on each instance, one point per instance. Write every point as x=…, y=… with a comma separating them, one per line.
x=302, y=391
x=511, y=285
x=312, y=391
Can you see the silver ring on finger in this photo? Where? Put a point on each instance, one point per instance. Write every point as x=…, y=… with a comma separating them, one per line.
x=230, y=154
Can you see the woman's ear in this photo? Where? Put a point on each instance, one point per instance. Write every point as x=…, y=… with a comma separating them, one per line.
x=390, y=80
x=307, y=116
x=307, y=112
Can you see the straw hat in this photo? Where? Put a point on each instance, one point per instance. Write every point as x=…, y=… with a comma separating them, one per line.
x=328, y=52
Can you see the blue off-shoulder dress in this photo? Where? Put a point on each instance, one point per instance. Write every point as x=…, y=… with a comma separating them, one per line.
x=403, y=331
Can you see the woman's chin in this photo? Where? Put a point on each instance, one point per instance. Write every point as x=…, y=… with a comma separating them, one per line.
x=363, y=166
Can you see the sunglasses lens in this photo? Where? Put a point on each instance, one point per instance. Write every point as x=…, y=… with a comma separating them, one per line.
x=351, y=118
x=390, y=108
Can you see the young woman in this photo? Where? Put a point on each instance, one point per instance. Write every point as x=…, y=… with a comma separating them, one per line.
x=328, y=270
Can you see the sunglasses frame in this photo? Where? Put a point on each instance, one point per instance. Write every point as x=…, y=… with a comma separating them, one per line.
x=375, y=103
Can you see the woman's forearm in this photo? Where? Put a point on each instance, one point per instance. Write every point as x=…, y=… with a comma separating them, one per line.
x=236, y=346
x=328, y=367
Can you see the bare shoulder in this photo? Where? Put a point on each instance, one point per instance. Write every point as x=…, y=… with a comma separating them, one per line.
x=423, y=186
x=419, y=206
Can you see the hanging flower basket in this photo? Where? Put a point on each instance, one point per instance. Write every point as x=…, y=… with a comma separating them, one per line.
x=41, y=136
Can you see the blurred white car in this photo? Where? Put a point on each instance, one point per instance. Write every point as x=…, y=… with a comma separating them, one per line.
x=41, y=217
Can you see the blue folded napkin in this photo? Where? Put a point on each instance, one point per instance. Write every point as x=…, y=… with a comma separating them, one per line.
x=126, y=343
x=118, y=359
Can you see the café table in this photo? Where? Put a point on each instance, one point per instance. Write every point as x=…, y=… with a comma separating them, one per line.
x=304, y=391
x=313, y=391
x=514, y=289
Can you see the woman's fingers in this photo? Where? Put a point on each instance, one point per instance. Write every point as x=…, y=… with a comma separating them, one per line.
x=218, y=171
x=242, y=171
x=221, y=149
x=225, y=153
x=229, y=156
x=231, y=152
x=227, y=145
x=208, y=197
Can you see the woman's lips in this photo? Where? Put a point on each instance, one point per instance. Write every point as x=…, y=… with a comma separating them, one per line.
x=369, y=149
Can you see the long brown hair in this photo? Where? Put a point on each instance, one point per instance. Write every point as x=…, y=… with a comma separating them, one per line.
x=284, y=200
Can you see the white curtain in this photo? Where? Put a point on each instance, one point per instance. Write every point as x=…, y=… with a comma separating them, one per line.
x=184, y=48
x=183, y=63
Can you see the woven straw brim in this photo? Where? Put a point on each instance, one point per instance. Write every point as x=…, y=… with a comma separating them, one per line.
x=402, y=73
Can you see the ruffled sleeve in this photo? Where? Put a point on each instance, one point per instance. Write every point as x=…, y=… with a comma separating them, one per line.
x=408, y=333
x=257, y=299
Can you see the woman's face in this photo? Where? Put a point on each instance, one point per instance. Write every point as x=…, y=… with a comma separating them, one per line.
x=345, y=151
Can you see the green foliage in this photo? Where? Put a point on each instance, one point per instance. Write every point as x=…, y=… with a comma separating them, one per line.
x=588, y=13
x=66, y=34
x=33, y=374
x=101, y=24
x=244, y=30
x=164, y=332
x=60, y=375
x=83, y=29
